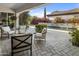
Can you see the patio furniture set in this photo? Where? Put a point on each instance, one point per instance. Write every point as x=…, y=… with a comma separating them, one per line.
x=21, y=40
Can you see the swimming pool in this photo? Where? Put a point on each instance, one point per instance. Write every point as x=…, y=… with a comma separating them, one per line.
x=60, y=28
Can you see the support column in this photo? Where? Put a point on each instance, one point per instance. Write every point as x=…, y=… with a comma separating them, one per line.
x=7, y=19
x=17, y=22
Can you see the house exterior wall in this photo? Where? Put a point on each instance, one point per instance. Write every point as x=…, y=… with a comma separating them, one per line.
x=66, y=17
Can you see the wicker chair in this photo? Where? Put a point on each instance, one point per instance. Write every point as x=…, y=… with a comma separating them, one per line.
x=6, y=30
x=42, y=35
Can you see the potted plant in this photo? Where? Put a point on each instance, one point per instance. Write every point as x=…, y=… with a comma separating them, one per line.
x=75, y=36
x=4, y=21
x=13, y=18
x=39, y=27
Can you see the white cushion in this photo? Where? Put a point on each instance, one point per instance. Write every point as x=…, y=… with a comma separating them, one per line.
x=38, y=34
x=30, y=30
x=22, y=29
x=11, y=32
x=6, y=29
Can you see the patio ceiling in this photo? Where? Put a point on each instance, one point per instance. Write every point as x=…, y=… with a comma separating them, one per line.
x=18, y=7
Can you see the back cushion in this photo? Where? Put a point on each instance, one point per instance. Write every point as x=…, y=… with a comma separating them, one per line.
x=6, y=29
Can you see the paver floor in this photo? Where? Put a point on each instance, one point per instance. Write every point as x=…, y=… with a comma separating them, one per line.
x=57, y=44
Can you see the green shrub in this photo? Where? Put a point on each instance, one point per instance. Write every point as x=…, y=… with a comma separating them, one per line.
x=75, y=36
x=39, y=27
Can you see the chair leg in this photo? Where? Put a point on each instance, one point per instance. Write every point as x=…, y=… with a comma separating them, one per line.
x=11, y=53
x=8, y=35
x=11, y=46
x=1, y=34
x=31, y=51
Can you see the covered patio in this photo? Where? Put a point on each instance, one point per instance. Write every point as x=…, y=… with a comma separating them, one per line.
x=17, y=9
x=57, y=41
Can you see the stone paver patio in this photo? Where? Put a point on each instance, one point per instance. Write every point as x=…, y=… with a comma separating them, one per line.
x=57, y=44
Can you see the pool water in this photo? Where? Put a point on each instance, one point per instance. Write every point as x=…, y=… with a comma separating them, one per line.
x=60, y=28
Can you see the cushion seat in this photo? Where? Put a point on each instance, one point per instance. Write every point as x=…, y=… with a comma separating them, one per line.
x=38, y=34
x=11, y=32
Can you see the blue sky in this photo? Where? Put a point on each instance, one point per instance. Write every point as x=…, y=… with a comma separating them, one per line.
x=53, y=7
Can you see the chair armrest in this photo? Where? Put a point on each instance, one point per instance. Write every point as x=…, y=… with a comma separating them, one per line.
x=35, y=33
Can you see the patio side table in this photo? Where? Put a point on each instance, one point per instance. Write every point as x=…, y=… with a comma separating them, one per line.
x=21, y=42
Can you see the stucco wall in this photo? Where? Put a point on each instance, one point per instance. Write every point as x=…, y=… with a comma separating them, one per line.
x=66, y=17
